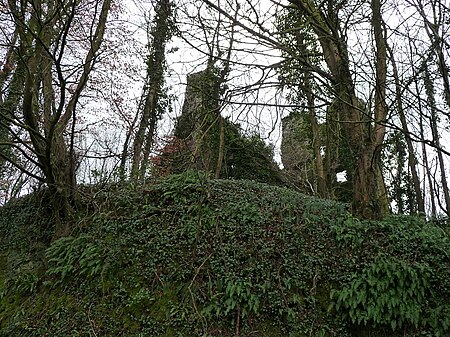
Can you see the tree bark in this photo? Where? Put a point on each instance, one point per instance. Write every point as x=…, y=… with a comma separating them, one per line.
x=10, y=94
x=412, y=160
x=221, y=148
x=436, y=139
x=369, y=195
x=43, y=29
x=144, y=138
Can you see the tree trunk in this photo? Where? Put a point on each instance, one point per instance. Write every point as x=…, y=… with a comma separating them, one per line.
x=369, y=198
x=412, y=160
x=144, y=138
x=148, y=117
x=46, y=114
x=427, y=169
x=436, y=138
x=10, y=94
x=221, y=148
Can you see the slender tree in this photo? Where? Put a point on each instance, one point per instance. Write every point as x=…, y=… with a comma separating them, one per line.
x=152, y=103
x=435, y=19
x=412, y=160
x=434, y=120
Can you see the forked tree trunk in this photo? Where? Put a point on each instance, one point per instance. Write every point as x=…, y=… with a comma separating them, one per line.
x=45, y=114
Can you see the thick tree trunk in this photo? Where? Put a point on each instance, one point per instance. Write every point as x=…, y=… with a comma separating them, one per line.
x=370, y=199
x=364, y=138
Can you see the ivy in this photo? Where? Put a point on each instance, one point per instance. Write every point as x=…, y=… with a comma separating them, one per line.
x=75, y=256
x=191, y=256
x=386, y=292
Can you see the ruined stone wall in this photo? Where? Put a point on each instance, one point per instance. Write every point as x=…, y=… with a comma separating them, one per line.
x=296, y=151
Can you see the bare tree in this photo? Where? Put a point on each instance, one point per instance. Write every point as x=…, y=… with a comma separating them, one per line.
x=54, y=79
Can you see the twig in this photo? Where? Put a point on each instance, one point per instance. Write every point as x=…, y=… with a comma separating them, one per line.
x=91, y=323
x=238, y=320
x=159, y=279
x=192, y=295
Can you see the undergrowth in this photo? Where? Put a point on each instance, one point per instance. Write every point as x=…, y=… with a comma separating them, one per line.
x=190, y=256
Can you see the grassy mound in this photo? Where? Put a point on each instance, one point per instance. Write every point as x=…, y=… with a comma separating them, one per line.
x=193, y=257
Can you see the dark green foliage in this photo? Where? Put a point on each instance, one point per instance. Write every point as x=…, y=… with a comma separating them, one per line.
x=395, y=163
x=249, y=158
x=245, y=157
x=74, y=257
x=402, y=279
x=190, y=256
x=26, y=227
x=387, y=291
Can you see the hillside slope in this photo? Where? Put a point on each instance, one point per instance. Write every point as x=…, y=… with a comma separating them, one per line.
x=188, y=256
